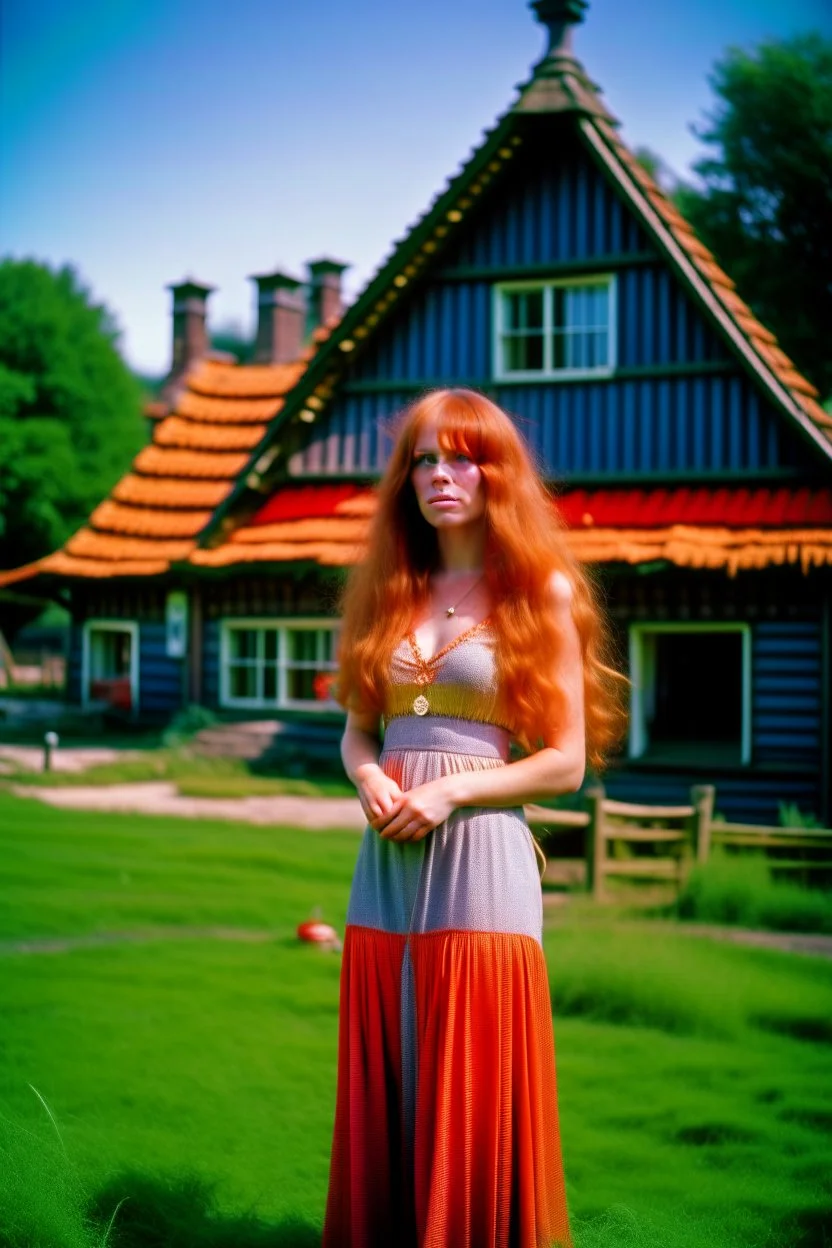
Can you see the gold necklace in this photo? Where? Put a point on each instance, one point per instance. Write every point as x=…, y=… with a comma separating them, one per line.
x=449, y=611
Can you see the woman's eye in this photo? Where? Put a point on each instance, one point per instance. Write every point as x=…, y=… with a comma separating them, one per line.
x=463, y=458
x=428, y=458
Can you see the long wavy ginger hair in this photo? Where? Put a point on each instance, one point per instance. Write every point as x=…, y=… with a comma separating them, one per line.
x=525, y=544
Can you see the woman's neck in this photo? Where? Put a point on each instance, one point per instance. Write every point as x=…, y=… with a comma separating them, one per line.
x=461, y=550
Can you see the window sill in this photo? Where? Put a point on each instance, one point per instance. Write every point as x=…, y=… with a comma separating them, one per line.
x=577, y=374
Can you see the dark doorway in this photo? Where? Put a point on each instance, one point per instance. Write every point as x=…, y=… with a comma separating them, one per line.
x=694, y=696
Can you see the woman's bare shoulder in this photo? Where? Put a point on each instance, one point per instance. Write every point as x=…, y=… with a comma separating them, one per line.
x=561, y=592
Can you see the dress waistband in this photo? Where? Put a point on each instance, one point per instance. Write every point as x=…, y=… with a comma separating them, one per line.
x=452, y=736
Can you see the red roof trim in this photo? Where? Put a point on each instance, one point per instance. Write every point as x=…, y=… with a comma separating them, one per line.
x=305, y=502
x=761, y=507
x=614, y=508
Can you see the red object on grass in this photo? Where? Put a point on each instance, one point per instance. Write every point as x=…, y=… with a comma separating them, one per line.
x=317, y=933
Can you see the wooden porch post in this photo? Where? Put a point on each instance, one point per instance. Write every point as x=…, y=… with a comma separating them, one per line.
x=702, y=800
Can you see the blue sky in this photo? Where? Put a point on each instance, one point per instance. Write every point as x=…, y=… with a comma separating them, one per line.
x=142, y=140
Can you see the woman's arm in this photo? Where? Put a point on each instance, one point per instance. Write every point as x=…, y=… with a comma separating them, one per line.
x=557, y=768
x=360, y=751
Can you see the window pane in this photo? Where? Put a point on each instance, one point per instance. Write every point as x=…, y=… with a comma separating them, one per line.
x=302, y=645
x=270, y=682
x=597, y=349
x=577, y=307
x=523, y=354
x=242, y=681
x=270, y=644
x=523, y=309
x=300, y=684
x=243, y=643
x=559, y=307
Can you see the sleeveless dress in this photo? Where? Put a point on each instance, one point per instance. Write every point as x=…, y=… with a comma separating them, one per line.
x=446, y=1127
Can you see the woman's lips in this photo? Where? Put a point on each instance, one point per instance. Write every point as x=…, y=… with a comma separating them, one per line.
x=442, y=500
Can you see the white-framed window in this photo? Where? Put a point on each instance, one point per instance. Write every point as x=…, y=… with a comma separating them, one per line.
x=285, y=664
x=110, y=664
x=561, y=328
x=691, y=693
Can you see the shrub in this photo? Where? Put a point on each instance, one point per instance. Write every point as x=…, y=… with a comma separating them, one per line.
x=737, y=889
x=187, y=723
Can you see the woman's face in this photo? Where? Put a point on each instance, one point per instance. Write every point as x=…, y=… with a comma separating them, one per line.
x=448, y=485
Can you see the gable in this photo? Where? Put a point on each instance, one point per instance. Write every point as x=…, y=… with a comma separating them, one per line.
x=678, y=402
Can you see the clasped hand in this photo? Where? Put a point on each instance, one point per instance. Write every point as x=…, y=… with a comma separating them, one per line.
x=398, y=816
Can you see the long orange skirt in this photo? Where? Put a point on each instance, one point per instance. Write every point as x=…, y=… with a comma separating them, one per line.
x=454, y=1144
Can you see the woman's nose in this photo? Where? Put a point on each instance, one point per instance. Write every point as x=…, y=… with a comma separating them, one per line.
x=440, y=472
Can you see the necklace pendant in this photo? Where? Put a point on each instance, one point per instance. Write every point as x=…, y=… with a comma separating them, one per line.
x=421, y=706
x=449, y=611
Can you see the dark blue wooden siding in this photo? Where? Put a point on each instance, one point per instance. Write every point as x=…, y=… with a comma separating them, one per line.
x=743, y=799
x=672, y=425
x=786, y=697
x=552, y=206
x=211, y=664
x=703, y=415
x=73, y=665
x=160, y=678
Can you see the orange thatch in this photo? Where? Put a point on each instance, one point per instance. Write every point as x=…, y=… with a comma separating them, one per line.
x=323, y=528
x=113, y=517
x=188, y=434
x=158, y=460
x=326, y=554
x=686, y=546
x=170, y=492
x=216, y=411
x=254, y=381
x=199, y=447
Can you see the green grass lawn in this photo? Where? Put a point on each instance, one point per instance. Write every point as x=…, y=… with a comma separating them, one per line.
x=193, y=1076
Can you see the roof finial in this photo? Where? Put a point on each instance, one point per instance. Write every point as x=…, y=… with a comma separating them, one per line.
x=559, y=82
x=559, y=17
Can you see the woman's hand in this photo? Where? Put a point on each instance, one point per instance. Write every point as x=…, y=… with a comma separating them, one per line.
x=416, y=812
x=377, y=793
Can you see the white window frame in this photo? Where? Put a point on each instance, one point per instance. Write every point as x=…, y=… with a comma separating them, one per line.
x=110, y=626
x=642, y=678
x=548, y=372
x=281, y=628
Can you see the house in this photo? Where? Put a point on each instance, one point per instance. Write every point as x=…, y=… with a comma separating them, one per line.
x=692, y=463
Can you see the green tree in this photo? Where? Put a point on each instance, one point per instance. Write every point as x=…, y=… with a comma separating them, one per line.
x=765, y=203
x=70, y=410
x=231, y=338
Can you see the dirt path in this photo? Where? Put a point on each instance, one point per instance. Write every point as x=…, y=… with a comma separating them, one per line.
x=786, y=942
x=98, y=940
x=72, y=759
x=162, y=798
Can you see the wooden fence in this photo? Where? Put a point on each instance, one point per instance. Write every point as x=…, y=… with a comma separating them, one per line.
x=622, y=840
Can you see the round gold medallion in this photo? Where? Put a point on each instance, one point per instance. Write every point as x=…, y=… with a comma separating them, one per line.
x=421, y=705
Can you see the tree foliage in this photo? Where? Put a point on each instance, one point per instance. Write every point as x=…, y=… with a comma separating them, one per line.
x=70, y=410
x=765, y=204
x=231, y=338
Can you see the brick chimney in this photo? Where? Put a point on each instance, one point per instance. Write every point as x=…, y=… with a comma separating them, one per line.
x=325, y=300
x=190, y=336
x=281, y=318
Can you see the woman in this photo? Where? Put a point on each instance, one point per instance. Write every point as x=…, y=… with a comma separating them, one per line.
x=467, y=626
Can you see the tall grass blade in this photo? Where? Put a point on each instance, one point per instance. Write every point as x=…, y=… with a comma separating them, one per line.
x=51, y=1119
